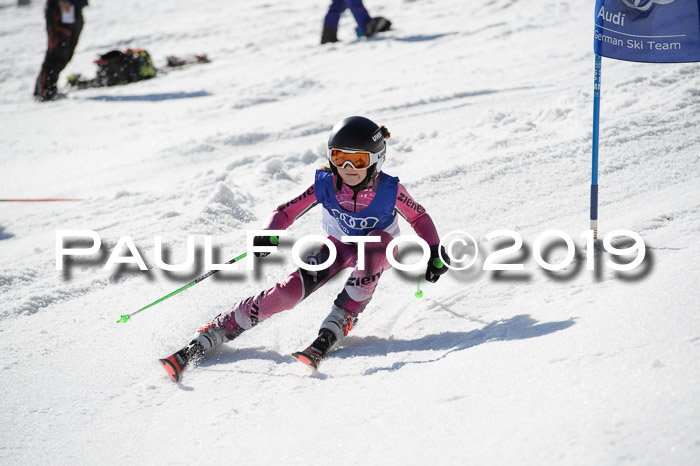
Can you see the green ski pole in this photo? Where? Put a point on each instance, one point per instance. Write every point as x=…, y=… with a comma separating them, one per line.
x=125, y=318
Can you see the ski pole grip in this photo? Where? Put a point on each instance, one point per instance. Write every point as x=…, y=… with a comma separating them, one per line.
x=274, y=240
x=437, y=263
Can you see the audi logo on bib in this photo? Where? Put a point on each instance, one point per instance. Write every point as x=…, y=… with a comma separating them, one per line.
x=364, y=223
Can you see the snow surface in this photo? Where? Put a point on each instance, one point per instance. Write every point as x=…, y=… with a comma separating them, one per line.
x=489, y=105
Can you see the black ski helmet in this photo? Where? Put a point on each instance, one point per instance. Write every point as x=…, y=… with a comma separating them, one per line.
x=359, y=133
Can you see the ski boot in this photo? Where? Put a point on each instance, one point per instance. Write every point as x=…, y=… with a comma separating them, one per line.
x=312, y=355
x=205, y=339
x=336, y=326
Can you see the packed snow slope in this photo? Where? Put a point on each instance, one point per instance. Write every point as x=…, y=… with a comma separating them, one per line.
x=489, y=105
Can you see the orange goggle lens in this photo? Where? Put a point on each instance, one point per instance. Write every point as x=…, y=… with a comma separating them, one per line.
x=359, y=160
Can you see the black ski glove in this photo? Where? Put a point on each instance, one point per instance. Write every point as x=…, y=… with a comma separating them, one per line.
x=436, y=266
x=265, y=241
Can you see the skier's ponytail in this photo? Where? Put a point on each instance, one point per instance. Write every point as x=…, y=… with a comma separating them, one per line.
x=385, y=132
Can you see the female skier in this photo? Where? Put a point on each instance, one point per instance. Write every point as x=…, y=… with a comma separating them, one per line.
x=358, y=199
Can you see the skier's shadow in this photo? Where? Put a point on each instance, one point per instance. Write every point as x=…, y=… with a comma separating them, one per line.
x=4, y=234
x=519, y=327
x=228, y=355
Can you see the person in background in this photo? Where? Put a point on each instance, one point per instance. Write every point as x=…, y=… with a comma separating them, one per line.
x=366, y=26
x=64, y=21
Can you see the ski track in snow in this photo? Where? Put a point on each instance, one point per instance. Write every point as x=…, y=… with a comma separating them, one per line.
x=489, y=106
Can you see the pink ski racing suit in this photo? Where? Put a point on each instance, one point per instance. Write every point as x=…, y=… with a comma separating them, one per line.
x=359, y=287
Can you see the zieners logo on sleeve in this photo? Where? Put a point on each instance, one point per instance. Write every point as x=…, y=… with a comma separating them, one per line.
x=304, y=195
x=410, y=203
x=254, y=315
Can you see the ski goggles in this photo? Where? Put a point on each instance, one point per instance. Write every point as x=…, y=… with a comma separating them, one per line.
x=358, y=159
